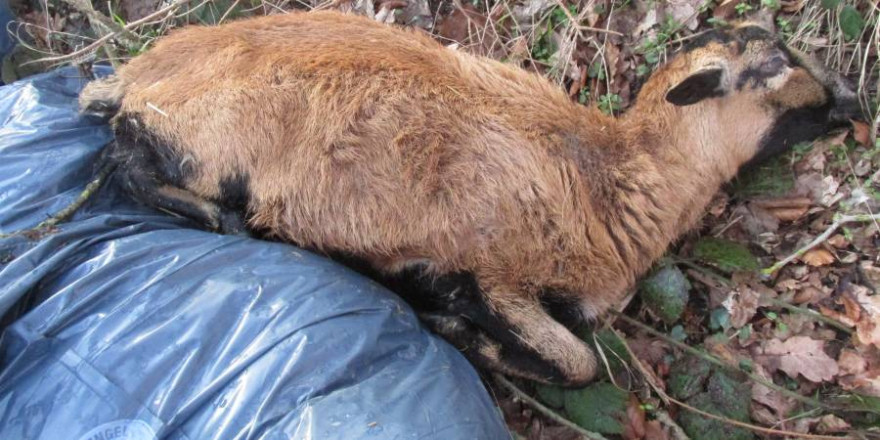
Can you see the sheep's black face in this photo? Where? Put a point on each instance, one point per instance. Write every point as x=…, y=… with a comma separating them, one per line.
x=807, y=98
x=771, y=95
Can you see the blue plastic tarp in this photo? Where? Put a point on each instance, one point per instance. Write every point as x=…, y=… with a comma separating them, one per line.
x=131, y=324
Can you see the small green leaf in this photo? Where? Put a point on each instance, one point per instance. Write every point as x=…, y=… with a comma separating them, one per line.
x=599, y=407
x=719, y=319
x=727, y=255
x=745, y=333
x=677, y=333
x=851, y=22
x=665, y=293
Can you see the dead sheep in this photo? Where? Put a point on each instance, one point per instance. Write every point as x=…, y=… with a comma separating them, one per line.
x=502, y=210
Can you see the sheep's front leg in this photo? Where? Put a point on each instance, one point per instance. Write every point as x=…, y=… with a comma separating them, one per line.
x=515, y=336
x=496, y=329
x=522, y=339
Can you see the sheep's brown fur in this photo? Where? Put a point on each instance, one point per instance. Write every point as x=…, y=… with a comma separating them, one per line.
x=353, y=138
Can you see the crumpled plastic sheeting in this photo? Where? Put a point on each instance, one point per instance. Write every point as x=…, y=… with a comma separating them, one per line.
x=135, y=326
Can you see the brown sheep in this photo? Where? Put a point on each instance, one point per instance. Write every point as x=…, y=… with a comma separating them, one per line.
x=477, y=190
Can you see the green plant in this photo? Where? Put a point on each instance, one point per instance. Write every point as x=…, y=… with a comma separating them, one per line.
x=654, y=48
x=544, y=47
x=773, y=5
x=584, y=95
x=785, y=26
x=800, y=150
x=716, y=22
x=609, y=103
x=742, y=8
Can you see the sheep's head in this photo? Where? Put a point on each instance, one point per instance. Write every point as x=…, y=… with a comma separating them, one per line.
x=744, y=90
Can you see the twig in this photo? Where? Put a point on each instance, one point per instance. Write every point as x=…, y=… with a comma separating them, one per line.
x=228, y=11
x=677, y=432
x=712, y=359
x=809, y=312
x=751, y=427
x=544, y=410
x=646, y=373
x=103, y=24
x=70, y=209
x=820, y=239
x=649, y=377
x=703, y=270
x=97, y=43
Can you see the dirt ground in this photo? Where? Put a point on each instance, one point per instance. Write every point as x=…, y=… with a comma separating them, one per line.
x=763, y=322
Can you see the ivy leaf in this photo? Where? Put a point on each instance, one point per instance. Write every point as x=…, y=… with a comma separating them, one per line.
x=851, y=22
x=666, y=293
x=600, y=407
x=551, y=395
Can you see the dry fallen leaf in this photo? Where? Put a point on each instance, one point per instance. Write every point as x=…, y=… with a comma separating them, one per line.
x=684, y=11
x=776, y=401
x=851, y=362
x=654, y=431
x=861, y=132
x=868, y=323
x=634, y=428
x=742, y=304
x=838, y=241
x=810, y=295
x=792, y=6
x=726, y=10
x=799, y=355
x=785, y=209
x=818, y=257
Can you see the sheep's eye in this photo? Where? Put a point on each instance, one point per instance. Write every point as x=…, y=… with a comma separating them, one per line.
x=773, y=65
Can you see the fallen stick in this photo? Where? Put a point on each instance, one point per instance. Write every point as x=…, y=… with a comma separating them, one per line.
x=100, y=41
x=522, y=395
x=840, y=221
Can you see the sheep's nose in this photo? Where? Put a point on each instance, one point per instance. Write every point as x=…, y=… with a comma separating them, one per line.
x=846, y=102
x=846, y=108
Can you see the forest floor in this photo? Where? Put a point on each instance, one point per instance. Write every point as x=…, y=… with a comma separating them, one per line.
x=762, y=322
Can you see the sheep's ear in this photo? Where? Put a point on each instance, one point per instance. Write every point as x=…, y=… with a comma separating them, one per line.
x=702, y=84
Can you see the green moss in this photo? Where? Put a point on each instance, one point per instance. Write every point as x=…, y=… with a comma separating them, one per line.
x=727, y=255
x=710, y=389
x=772, y=178
x=687, y=377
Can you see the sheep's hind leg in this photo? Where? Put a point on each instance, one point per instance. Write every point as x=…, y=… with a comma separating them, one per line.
x=153, y=173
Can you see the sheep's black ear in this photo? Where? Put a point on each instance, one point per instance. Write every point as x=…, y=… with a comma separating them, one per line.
x=705, y=83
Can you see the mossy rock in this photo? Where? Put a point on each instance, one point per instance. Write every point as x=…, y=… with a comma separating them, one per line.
x=710, y=389
x=600, y=407
x=665, y=293
x=727, y=255
x=688, y=376
x=725, y=397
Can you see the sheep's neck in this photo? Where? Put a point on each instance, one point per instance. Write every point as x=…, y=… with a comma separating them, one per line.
x=653, y=188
